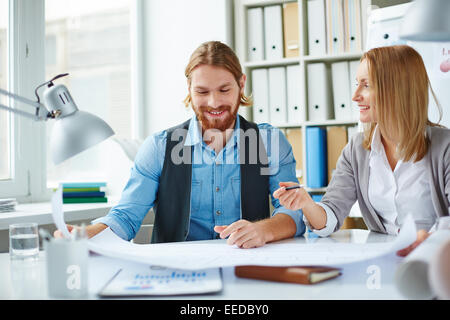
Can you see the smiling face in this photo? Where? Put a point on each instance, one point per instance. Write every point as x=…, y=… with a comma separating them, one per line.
x=215, y=96
x=364, y=94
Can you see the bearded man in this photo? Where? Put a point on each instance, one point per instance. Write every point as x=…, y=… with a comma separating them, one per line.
x=212, y=176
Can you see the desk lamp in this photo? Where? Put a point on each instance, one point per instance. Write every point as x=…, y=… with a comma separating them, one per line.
x=74, y=130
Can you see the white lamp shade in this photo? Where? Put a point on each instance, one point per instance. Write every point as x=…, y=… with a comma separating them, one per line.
x=427, y=20
x=75, y=133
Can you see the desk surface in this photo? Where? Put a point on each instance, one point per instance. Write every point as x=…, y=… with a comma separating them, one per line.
x=365, y=280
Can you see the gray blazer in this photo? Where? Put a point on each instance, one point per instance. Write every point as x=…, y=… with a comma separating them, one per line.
x=350, y=180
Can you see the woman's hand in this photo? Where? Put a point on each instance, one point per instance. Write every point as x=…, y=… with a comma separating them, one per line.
x=294, y=199
x=422, y=235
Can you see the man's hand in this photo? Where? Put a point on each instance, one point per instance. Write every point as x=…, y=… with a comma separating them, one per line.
x=58, y=233
x=422, y=235
x=244, y=234
x=91, y=230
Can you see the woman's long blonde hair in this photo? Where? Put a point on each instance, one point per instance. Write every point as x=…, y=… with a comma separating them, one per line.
x=217, y=54
x=400, y=85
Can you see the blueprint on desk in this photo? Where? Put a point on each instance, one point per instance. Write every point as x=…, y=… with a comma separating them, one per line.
x=196, y=255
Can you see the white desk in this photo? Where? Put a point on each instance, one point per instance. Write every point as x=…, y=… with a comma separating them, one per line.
x=28, y=280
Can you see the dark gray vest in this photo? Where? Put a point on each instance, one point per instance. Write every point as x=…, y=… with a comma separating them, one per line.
x=172, y=205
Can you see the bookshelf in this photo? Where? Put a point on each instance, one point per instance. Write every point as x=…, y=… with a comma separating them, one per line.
x=303, y=59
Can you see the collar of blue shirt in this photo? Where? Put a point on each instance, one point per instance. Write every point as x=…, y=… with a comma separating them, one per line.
x=194, y=135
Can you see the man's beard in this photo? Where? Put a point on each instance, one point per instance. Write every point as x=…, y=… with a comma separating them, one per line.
x=216, y=124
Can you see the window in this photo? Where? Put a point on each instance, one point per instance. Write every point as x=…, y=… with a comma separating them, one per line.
x=90, y=40
x=20, y=58
x=5, y=140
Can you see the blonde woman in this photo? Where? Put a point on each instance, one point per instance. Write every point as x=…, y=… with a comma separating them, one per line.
x=400, y=165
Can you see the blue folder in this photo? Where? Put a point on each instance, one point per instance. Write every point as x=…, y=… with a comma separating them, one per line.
x=83, y=194
x=316, y=157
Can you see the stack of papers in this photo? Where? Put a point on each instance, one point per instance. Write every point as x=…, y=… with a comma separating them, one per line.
x=8, y=205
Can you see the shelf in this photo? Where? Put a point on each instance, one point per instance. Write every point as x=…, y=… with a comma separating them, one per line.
x=315, y=123
x=263, y=3
x=302, y=61
x=330, y=123
x=323, y=123
x=298, y=60
x=288, y=125
x=41, y=213
x=272, y=63
x=337, y=57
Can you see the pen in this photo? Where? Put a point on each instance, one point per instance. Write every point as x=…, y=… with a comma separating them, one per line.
x=298, y=186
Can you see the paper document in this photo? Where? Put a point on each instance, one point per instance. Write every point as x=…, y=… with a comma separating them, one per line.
x=213, y=254
x=425, y=271
x=144, y=280
x=8, y=205
x=58, y=212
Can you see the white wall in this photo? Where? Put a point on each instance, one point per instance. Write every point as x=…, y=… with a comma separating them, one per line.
x=172, y=31
x=432, y=55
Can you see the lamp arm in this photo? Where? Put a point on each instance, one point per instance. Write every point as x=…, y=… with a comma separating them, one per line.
x=22, y=113
x=39, y=115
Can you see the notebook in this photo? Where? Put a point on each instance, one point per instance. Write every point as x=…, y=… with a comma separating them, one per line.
x=301, y=275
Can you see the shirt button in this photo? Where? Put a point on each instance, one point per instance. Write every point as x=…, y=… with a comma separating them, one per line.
x=217, y=189
x=218, y=212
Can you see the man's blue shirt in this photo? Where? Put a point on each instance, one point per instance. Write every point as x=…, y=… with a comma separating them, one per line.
x=216, y=182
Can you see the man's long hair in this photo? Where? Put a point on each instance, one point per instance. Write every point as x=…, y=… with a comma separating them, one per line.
x=215, y=53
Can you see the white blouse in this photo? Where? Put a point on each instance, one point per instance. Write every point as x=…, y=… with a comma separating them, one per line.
x=393, y=194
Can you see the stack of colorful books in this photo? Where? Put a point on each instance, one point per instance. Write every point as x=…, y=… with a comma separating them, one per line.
x=84, y=192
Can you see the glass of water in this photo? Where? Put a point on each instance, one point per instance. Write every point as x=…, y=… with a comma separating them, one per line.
x=23, y=241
